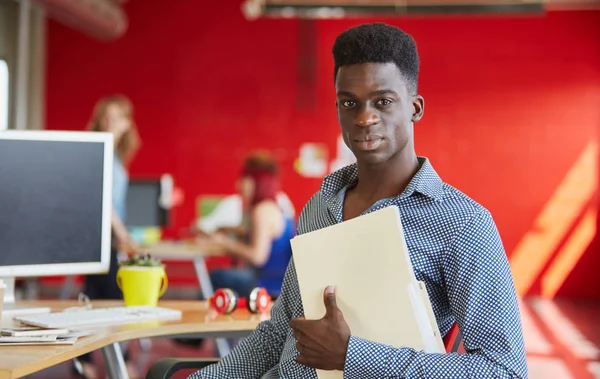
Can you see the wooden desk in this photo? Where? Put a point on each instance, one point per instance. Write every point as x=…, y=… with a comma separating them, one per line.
x=18, y=361
x=183, y=250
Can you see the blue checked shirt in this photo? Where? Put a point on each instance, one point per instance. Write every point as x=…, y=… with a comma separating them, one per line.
x=455, y=249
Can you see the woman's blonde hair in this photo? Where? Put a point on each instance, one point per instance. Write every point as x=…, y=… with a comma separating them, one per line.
x=130, y=141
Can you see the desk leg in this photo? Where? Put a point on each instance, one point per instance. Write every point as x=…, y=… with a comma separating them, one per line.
x=207, y=291
x=115, y=364
x=203, y=277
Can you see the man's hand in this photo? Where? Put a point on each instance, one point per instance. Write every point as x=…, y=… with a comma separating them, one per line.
x=323, y=343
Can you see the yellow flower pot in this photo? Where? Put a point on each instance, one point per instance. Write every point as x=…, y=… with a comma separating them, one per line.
x=142, y=285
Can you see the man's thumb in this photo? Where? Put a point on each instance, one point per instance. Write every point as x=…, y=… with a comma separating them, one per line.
x=330, y=302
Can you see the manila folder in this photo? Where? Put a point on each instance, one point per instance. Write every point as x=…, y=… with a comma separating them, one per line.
x=367, y=260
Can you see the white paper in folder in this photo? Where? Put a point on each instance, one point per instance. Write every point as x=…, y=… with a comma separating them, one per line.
x=367, y=259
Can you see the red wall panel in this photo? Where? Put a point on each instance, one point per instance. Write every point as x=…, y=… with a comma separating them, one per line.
x=510, y=102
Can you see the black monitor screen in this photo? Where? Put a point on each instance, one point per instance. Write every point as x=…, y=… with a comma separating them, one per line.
x=143, y=207
x=50, y=202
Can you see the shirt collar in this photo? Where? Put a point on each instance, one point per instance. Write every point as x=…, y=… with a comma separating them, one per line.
x=426, y=181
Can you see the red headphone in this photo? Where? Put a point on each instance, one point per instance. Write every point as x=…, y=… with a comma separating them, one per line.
x=226, y=300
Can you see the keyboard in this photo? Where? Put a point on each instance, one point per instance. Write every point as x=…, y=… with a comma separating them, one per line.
x=99, y=316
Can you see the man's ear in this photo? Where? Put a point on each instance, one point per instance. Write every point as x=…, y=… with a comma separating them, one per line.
x=418, y=108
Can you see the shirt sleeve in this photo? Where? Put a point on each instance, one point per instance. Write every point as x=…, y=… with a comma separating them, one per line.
x=261, y=350
x=119, y=189
x=483, y=300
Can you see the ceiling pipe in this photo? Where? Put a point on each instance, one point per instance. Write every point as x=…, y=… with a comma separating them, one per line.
x=335, y=9
x=100, y=19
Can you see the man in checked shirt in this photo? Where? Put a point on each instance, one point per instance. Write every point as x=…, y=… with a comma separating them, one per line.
x=454, y=245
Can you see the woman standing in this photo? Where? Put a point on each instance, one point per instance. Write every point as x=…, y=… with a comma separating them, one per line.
x=113, y=114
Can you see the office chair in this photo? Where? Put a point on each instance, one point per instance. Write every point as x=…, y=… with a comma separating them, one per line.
x=164, y=368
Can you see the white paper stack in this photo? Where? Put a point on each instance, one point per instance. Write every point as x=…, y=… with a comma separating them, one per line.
x=367, y=259
x=39, y=336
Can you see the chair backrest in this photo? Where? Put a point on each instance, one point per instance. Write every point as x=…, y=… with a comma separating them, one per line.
x=453, y=340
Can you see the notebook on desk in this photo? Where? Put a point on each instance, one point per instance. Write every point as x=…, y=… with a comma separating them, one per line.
x=367, y=259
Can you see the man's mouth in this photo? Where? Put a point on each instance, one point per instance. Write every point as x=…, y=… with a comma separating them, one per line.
x=368, y=143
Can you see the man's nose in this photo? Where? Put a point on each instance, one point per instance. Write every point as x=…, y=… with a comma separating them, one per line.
x=367, y=116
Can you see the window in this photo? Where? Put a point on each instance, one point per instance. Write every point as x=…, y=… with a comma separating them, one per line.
x=3, y=95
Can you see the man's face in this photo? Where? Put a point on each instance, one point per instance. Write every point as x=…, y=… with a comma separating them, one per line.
x=376, y=111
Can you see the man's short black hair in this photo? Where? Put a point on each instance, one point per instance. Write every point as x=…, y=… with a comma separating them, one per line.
x=378, y=43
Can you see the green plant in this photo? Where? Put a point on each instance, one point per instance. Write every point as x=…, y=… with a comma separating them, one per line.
x=142, y=260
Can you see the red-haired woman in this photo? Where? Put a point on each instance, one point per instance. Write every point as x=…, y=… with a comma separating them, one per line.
x=265, y=245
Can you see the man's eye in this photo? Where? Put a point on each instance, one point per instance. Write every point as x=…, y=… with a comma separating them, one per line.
x=384, y=102
x=347, y=103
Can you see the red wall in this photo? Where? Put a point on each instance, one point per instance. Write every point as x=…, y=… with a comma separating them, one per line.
x=510, y=102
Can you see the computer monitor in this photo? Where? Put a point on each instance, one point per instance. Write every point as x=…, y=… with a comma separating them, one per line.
x=55, y=205
x=149, y=201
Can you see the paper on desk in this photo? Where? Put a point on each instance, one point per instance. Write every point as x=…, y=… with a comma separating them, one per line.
x=68, y=338
x=367, y=259
x=77, y=333
x=59, y=341
x=29, y=332
x=39, y=338
x=32, y=331
x=36, y=340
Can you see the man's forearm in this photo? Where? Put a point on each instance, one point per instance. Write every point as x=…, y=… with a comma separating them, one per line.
x=367, y=359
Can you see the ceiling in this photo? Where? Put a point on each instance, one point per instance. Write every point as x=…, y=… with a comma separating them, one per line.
x=107, y=20
x=253, y=9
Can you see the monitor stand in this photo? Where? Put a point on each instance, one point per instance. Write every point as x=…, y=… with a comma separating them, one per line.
x=10, y=308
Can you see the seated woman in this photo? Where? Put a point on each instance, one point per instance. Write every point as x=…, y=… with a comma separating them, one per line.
x=261, y=243
x=264, y=247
